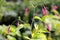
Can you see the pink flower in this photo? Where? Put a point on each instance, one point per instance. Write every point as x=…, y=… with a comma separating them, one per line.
x=8, y=29
x=18, y=24
x=54, y=7
x=26, y=10
x=44, y=11
x=48, y=27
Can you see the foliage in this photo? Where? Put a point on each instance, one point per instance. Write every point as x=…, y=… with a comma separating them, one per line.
x=35, y=28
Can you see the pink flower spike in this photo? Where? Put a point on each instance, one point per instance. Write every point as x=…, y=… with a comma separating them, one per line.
x=18, y=24
x=44, y=11
x=44, y=8
x=48, y=27
x=8, y=29
x=26, y=10
x=54, y=7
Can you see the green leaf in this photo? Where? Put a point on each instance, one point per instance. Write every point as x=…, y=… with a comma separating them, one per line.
x=11, y=38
